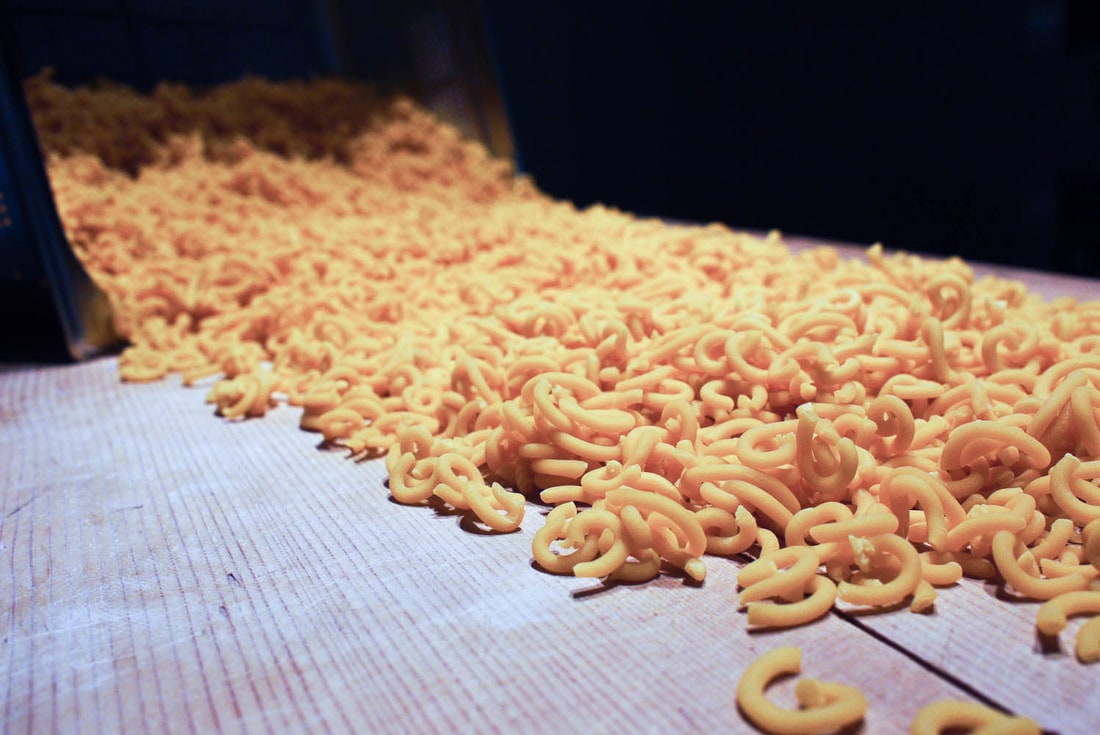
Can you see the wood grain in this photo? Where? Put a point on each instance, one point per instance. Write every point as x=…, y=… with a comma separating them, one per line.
x=163, y=570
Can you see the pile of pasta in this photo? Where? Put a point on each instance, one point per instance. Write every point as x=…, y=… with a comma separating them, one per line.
x=865, y=430
x=127, y=129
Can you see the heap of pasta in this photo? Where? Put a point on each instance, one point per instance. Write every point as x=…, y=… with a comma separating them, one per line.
x=867, y=429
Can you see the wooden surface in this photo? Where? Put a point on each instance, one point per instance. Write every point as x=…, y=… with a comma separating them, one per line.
x=163, y=570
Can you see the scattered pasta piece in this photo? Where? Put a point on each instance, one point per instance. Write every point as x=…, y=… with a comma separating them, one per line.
x=824, y=706
x=935, y=718
x=1087, y=646
x=1053, y=615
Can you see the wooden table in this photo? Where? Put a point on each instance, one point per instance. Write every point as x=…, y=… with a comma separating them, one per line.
x=163, y=570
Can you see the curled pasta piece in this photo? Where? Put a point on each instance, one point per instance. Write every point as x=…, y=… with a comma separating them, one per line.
x=781, y=443
x=903, y=487
x=815, y=516
x=1019, y=339
x=646, y=567
x=639, y=444
x=488, y=506
x=1054, y=543
x=822, y=596
x=1087, y=645
x=1053, y=615
x=871, y=524
x=949, y=295
x=971, y=441
x=983, y=524
x=948, y=714
x=610, y=421
x=764, y=492
x=554, y=530
x=247, y=395
x=1055, y=408
x=784, y=573
x=636, y=531
x=591, y=524
x=739, y=348
x=559, y=494
x=1008, y=565
x=727, y=533
x=843, y=706
x=910, y=388
x=828, y=475
x=694, y=540
x=412, y=481
x=1070, y=564
x=614, y=474
x=934, y=338
x=893, y=418
x=939, y=572
x=1063, y=485
x=732, y=494
x=589, y=451
x=904, y=582
x=452, y=472
x=545, y=407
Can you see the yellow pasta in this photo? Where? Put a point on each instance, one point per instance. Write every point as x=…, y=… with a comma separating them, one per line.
x=1053, y=614
x=834, y=707
x=935, y=718
x=1087, y=646
x=822, y=595
x=1008, y=565
x=762, y=579
x=1091, y=538
x=874, y=428
x=904, y=582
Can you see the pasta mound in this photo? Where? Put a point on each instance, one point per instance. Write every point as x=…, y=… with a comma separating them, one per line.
x=672, y=391
x=126, y=129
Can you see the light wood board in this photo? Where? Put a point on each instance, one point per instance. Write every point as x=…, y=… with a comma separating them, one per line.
x=164, y=570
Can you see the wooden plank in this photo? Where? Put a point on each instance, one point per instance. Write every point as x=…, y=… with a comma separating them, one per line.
x=164, y=570
x=982, y=635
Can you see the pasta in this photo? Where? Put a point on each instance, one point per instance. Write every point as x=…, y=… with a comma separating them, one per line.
x=932, y=719
x=866, y=430
x=1087, y=646
x=1052, y=616
x=829, y=706
x=825, y=706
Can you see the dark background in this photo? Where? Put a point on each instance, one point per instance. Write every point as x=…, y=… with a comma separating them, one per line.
x=943, y=127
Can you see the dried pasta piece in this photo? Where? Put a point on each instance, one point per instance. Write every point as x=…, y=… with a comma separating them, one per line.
x=904, y=582
x=1054, y=613
x=1036, y=588
x=822, y=595
x=554, y=529
x=499, y=509
x=1087, y=646
x=832, y=707
x=937, y=717
x=593, y=524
